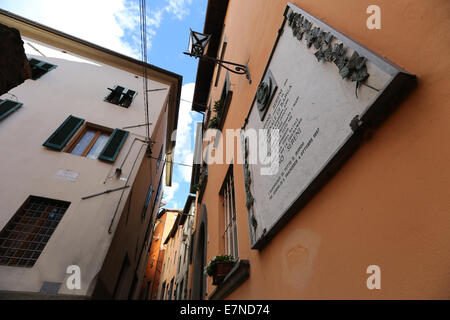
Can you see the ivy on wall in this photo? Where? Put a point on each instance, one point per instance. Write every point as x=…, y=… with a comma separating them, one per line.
x=350, y=68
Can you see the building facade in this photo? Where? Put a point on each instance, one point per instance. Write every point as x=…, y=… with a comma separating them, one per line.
x=173, y=284
x=82, y=176
x=378, y=212
x=185, y=249
x=163, y=226
x=166, y=289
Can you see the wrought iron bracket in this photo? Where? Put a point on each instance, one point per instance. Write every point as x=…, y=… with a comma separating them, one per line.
x=233, y=67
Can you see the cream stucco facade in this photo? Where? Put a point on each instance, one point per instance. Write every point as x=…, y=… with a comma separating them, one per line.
x=96, y=234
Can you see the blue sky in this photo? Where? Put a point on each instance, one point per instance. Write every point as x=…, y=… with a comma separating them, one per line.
x=114, y=24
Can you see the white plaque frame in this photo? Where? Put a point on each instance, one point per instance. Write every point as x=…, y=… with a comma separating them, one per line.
x=333, y=115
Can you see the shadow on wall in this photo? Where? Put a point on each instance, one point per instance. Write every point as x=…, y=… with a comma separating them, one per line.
x=199, y=278
x=14, y=66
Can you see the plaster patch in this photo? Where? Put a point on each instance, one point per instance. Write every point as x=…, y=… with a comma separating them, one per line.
x=298, y=254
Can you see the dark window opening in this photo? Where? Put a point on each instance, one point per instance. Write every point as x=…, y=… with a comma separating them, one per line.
x=121, y=96
x=219, y=68
x=158, y=162
x=39, y=68
x=25, y=236
x=147, y=201
x=7, y=107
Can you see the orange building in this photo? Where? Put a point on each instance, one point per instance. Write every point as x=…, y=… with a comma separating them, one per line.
x=163, y=225
x=173, y=284
x=372, y=222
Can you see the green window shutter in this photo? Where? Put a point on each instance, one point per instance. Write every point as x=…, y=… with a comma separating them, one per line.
x=8, y=106
x=113, y=146
x=115, y=95
x=62, y=135
x=121, y=96
x=127, y=97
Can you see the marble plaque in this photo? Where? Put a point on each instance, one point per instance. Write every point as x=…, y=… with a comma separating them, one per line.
x=318, y=88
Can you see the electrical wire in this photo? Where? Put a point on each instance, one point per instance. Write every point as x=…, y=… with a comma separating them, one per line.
x=143, y=26
x=173, y=162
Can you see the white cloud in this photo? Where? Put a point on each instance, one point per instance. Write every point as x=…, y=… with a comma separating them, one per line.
x=184, y=149
x=113, y=24
x=169, y=192
x=155, y=18
x=102, y=22
x=179, y=8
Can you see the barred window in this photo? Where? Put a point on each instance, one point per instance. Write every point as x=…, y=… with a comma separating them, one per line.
x=25, y=236
x=230, y=233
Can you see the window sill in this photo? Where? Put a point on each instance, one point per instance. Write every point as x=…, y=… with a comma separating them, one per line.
x=238, y=275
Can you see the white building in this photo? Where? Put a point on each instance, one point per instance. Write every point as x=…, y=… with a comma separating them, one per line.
x=79, y=183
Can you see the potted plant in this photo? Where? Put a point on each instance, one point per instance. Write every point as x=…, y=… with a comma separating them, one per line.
x=219, y=267
x=214, y=122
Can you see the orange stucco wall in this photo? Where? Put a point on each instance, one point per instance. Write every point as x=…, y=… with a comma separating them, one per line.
x=390, y=203
x=155, y=260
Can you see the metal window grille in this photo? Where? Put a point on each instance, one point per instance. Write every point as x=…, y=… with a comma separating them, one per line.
x=24, y=237
x=230, y=233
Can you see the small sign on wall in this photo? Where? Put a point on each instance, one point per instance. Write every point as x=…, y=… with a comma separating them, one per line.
x=67, y=175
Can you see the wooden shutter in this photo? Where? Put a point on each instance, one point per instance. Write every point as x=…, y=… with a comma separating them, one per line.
x=113, y=146
x=62, y=135
x=8, y=106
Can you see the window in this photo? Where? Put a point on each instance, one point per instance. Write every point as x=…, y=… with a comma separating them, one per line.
x=147, y=290
x=25, y=236
x=179, y=264
x=92, y=142
x=158, y=162
x=169, y=295
x=222, y=55
x=7, y=107
x=39, y=68
x=163, y=290
x=230, y=225
x=147, y=201
x=223, y=104
x=121, y=96
x=158, y=193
